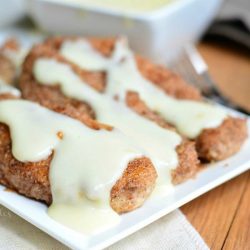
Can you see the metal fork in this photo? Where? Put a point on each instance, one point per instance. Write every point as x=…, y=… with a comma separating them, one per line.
x=191, y=66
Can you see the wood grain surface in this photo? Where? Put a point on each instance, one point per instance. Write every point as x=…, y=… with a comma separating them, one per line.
x=222, y=216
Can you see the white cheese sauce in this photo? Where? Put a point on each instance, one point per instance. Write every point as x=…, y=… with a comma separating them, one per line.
x=190, y=117
x=82, y=53
x=86, y=163
x=8, y=89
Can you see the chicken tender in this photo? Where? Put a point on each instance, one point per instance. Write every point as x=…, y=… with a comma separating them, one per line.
x=7, y=67
x=32, y=178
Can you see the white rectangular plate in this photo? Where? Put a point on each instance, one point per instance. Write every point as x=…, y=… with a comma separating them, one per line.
x=36, y=212
x=214, y=175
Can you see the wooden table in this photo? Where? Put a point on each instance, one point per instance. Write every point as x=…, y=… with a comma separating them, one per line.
x=222, y=216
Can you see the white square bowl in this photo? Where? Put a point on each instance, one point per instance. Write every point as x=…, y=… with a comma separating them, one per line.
x=159, y=34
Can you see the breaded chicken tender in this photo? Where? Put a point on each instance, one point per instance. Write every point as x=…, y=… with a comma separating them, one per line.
x=7, y=67
x=223, y=141
x=32, y=178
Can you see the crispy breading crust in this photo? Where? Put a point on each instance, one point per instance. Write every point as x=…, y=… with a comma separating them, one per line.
x=167, y=80
x=136, y=184
x=212, y=144
x=10, y=44
x=219, y=143
x=135, y=103
x=32, y=179
x=7, y=68
x=188, y=160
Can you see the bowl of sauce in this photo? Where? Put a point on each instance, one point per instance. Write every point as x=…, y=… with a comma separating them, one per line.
x=158, y=29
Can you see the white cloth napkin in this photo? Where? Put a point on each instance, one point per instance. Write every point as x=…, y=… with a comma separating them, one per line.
x=170, y=232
